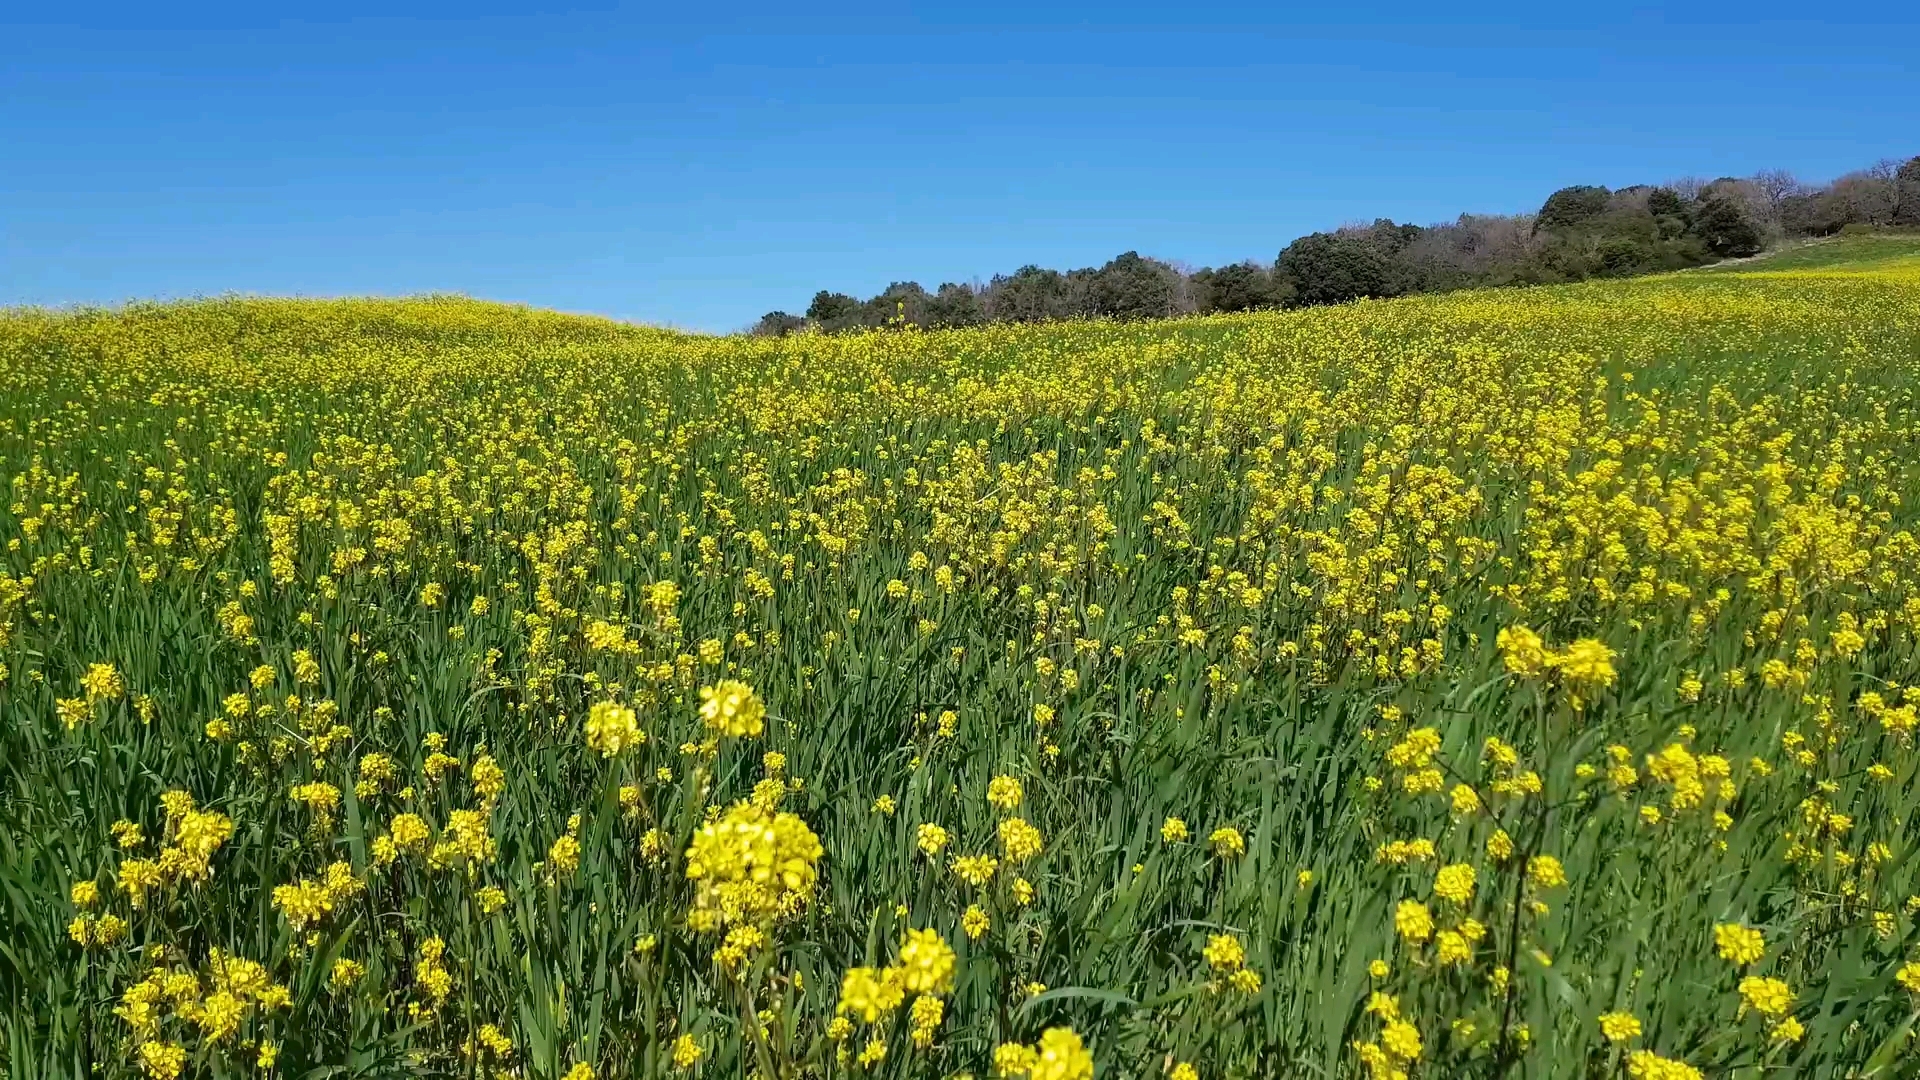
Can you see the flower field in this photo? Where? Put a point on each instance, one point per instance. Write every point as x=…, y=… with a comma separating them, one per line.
x=1513, y=683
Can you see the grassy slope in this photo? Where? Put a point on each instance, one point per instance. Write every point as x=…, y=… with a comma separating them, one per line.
x=1840, y=255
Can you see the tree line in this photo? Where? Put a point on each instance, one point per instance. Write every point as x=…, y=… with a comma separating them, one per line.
x=1580, y=232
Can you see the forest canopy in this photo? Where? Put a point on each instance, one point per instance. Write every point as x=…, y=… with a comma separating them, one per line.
x=1579, y=232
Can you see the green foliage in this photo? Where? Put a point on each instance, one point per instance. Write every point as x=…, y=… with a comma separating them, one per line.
x=778, y=324
x=833, y=311
x=1724, y=225
x=1580, y=232
x=1237, y=287
x=1130, y=287
x=1571, y=208
x=1906, y=182
x=1664, y=202
x=955, y=306
x=1333, y=268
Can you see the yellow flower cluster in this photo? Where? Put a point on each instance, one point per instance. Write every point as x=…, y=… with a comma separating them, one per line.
x=190, y=838
x=925, y=968
x=732, y=709
x=613, y=728
x=751, y=866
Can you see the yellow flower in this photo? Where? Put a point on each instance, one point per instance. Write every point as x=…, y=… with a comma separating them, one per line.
x=73, y=712
x=1499, y=845
x=1522, y=651
x=975, y=922
x=1770, y=997
x=1586, y=664
x=753, y=865
x=1004, y=793
x=303, y=903
x=1545, y=872
x=409, y=832
x=928, y=962
x=1059, y=1055
x=1909, y=976
x=344, y=974
x=108, y=930
x=319, y=797
x=1412, y=920
x=1451, y=947
x=1619, y=1026
x=162, y=1061
x=1454, y=884
x=102, y=682
x=1173, y=830
x=564, y=855
x=580, y=1071
x=1465, y=800
x=1739, y=945
x=926, y=1015
x=931, y=839
x=127, y=835
x=975, y=870
x=1647, y=1065
x=613, y=728
x=1022, y=890
x=870, y=994
x=1416, y=750
x=1019, y=840
x=731, y=708
x=1402, y=1040
x=430, y=973
x=1227, y=842
x=1224, y=953
x=1013, y=1059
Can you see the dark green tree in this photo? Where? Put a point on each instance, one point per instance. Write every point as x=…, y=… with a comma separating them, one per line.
x=1813, y=213
x=1666, y=202
x=955, y=305
x=1332, y=268
x=778, y=324
x=1234, y=287
x=903, y=302
x=1571, y=207
x=833, y=310
x=1725, y=226
x=1130, y=287
x=1906, y=193
x=1029, y=294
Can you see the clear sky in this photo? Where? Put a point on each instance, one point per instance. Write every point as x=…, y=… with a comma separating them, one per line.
x=700, y=163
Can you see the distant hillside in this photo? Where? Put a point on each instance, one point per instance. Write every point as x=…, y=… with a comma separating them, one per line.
x=1579, y=232
x=1843, y=254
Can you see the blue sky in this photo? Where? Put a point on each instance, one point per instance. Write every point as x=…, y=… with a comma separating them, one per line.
x=699, y=164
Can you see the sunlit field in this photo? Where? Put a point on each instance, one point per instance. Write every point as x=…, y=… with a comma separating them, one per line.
x=1513, y=683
